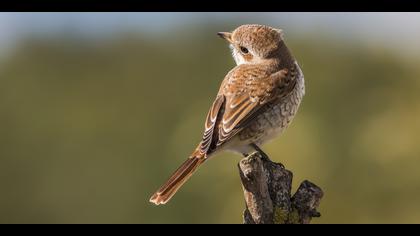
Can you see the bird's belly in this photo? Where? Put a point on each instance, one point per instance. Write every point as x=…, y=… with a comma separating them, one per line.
x=269, y=124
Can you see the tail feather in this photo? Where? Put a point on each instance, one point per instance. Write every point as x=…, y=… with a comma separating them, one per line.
x=177, y=179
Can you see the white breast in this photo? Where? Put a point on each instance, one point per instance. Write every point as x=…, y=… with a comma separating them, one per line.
x=278, y=116
x=271, y=123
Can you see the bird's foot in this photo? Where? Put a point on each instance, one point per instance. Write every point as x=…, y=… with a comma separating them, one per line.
x=263, y=155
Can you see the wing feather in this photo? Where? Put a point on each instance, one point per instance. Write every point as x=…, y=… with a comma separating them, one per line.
x=242, y=97
x=241, y=108
x=210, y=123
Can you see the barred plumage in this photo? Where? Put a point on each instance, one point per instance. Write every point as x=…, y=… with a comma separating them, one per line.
x=256, y=101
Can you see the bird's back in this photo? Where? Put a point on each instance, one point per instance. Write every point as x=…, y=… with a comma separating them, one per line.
x=274, y=117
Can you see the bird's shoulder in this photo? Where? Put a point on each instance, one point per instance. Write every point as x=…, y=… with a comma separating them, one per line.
x=255, y=81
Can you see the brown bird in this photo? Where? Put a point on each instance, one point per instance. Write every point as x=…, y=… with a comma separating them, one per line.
x=256, y=101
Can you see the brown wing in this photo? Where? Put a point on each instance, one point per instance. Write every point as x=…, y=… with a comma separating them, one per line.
x=241, y=98
x=210, y=123
x=241, y=107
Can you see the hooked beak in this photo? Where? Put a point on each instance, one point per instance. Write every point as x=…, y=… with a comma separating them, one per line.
x=226, y=35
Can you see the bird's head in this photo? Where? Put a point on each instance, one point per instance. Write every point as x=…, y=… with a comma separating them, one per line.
x=253, y=43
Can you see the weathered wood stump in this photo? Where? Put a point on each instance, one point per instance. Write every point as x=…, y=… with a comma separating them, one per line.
x=267, y=191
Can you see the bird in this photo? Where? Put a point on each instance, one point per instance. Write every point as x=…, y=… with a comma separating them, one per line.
x=256, y=102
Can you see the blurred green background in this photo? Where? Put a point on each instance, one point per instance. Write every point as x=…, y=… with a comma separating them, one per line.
x=97, y=109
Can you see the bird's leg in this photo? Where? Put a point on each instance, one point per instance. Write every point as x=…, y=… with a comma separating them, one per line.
x=258, y=149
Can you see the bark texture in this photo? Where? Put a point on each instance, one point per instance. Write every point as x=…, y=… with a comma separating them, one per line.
x=267, y=191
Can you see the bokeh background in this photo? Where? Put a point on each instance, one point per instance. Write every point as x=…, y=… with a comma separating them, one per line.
x=97, y=109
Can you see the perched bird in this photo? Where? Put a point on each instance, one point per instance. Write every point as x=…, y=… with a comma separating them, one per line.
x=256, y=101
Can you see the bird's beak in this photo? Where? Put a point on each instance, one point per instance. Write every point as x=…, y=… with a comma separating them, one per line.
x=226, y=35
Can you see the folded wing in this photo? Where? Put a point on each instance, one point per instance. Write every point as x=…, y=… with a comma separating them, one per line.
x=239, y=101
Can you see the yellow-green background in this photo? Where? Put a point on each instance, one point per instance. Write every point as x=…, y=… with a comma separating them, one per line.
x=90, y=127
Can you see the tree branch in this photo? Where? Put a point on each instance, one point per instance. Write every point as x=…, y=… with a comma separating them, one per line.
x=267, y=191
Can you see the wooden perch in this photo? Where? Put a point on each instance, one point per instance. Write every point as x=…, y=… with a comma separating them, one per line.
x=267, y=191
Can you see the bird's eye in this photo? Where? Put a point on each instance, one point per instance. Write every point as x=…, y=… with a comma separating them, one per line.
x=244, y=50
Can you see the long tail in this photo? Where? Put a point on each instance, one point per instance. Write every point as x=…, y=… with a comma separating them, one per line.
x=177, y=179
